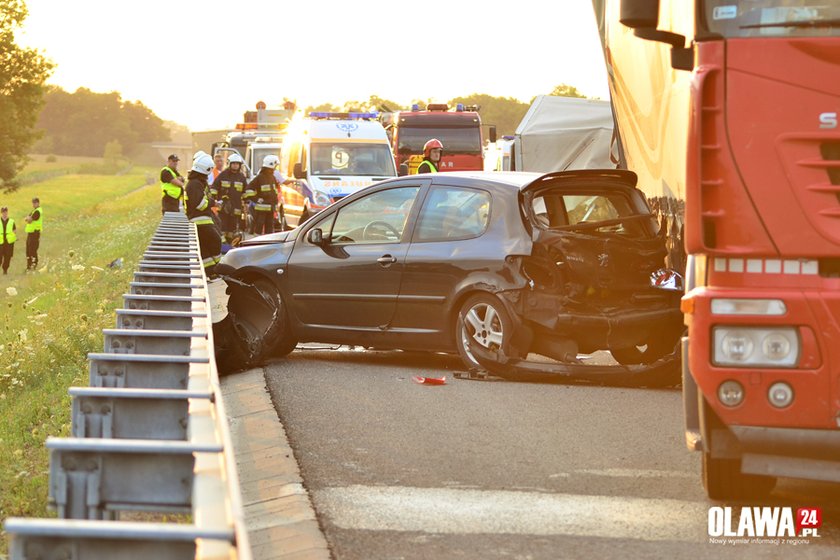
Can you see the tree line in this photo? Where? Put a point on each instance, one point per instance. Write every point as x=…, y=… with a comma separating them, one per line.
x=504, y=112
x=83, y=123
x=48, y=120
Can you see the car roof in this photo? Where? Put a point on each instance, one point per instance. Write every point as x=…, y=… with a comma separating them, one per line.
x=524, y=180
x=510, y=179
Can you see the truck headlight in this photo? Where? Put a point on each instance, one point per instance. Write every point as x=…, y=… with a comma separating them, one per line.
x=322, y=199
x=755, y=347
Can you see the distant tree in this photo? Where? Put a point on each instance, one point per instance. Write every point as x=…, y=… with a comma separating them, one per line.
x=322, y=108
x=503, y=112
x=113, y=156
x=22, y=76
x=565, y=90
x=82, y=123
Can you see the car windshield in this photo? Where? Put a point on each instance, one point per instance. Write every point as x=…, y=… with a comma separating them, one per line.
x=610, y=213
x=772, y=18
x=352, y=159
x=456, y=140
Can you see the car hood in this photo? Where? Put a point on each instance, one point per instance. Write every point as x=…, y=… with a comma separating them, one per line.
x=270, y=239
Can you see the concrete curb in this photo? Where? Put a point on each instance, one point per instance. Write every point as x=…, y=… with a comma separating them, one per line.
x=279, y=515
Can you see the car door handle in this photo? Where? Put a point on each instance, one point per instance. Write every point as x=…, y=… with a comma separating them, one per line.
x=386, y=260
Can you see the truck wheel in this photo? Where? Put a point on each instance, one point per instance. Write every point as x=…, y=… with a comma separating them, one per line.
x=723, y=480
x=486, y=322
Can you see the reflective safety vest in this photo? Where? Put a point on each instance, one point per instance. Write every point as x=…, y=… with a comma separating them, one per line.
x=8, y=234
x=168, y=189
x=36, y=225
x=432, y=168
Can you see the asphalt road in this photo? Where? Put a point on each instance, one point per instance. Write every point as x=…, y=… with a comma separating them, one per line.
x=495, y=469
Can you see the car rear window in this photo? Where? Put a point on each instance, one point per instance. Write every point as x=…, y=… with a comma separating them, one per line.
x=586, y=211
x=452, y=213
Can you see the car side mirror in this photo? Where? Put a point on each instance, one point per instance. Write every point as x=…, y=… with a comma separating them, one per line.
x=403, y=170
x=492, y=133
x=298, y=171
x=315, y=236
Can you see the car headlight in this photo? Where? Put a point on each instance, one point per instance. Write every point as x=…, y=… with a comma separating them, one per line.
x=755, y=347
x=322, y=199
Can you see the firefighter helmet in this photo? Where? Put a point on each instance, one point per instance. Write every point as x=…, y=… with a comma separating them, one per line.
x=235, y=158
x=430, y=145
x=203, y=164
x=271, y=161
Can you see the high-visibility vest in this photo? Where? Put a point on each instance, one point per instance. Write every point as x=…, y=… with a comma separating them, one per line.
x=36, y=225
x=8, y=234
x=432, y=168
x=168, y=189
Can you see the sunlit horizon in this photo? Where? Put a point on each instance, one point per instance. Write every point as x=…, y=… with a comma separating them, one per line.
x=319, y=53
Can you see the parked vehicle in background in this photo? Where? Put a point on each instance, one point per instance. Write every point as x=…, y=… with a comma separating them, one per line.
x=727, y=111
x=491, y=266
x=560, y=133
x=498, y=155
x=329, y=156
x=459, y=130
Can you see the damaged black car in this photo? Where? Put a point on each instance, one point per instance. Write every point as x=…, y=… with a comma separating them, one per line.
x=496, y=267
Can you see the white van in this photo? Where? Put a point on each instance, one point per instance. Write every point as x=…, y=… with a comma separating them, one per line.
x=328, y=156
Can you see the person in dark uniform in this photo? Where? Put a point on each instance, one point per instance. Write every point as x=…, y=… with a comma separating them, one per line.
x=199, y=211
x=171, y=186
x=228, y=188
x=432, y=152
x=34, y=225
x=263, y=192
x=7, y=239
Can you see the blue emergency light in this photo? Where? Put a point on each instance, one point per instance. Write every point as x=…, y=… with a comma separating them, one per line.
x=415, y=107
x=355, y=115
x=459, y=107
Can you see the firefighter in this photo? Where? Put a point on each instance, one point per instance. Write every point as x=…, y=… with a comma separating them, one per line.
x=229, y=186
x=7, y=239
x=171, y=185
x=263, y=192
x=432, y=152
x=34, y=225
x=199, y=204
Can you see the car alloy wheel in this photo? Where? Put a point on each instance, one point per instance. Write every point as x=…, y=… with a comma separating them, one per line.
x=486, y=323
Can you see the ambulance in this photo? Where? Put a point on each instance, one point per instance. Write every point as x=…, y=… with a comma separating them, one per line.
x=327, y=156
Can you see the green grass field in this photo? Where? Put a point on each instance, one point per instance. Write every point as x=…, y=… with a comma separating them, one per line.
x=58, y=313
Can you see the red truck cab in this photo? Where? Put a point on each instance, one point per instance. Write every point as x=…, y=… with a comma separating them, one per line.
x=761, y=223
x=459, y=131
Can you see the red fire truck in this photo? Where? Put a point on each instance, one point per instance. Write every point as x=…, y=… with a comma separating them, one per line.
x=727, y=111
x=459, y=130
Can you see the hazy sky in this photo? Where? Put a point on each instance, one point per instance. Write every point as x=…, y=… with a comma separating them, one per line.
x=202, y=63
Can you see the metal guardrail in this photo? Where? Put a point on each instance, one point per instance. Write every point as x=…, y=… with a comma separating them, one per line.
x=150, y=433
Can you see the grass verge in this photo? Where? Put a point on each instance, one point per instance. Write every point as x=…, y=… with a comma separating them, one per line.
x=58, y=313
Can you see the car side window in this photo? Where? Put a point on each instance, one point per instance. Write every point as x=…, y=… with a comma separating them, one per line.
x=453, y=213
x=380, y=217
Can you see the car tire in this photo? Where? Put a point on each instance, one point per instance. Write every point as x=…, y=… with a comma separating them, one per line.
x=481, y=310
x=242, y=335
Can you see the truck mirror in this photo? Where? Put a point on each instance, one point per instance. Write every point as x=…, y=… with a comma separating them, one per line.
x=492, y=133
x=298, y=171
x=403, y=170
x=640, y=14
x=315, y=236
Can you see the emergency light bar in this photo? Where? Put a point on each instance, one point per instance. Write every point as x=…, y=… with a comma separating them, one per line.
x=261, y=126
x=328, y=115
